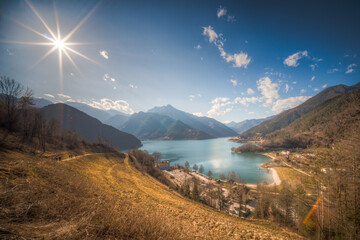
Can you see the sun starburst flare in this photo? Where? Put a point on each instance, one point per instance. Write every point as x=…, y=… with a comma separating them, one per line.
x=55, y=41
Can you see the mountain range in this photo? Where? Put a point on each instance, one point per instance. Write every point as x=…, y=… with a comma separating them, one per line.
x=242, y=126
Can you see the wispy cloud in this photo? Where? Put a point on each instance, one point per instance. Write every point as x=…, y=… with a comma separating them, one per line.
x=191, y=97
x=287, y=103
x=198, y=114
x=104, y=54
x=234, y=82
x=250, y=91
x=133, y=86
x=231, y=18
x=350, y=68
x=218, y=107
x=221, y=12
x=312, y=78
x=268, y=89
x=287, y=87
x=316, y=89
x=198, y=47
x=239, y=60
x=292, y=60
x=49, y=95
x=302, y=91
x=106, y=76
x=324, y=86
x=63, y=95
x=333, y=70
x=108, y=104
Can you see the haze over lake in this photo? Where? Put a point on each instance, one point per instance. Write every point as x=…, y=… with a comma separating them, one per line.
x=214, y=155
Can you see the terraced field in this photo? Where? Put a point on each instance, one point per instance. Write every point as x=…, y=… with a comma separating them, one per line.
x=106, y=197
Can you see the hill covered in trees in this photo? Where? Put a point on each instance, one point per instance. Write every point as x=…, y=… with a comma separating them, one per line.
x=89, y=127
x=335, y=119
x=287, y=117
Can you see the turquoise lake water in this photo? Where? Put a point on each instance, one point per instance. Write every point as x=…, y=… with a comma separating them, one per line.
x=214, y=155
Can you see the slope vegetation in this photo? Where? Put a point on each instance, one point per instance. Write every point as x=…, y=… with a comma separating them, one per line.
x=102, y=196
x=89, y=127
x=287, y=117
x=335, y=119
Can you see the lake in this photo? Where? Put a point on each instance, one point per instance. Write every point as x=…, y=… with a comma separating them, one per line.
x=214, y=155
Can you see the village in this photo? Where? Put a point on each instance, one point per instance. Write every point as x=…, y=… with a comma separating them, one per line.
x=230, y=193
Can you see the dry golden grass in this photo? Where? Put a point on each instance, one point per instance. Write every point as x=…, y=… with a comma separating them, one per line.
x=294, y=178
x=102, y=196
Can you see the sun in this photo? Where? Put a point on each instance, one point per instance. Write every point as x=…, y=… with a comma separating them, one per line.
x=59, y=44
x=55, y=41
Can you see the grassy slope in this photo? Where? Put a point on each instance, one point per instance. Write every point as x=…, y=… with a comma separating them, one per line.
x=103, y=196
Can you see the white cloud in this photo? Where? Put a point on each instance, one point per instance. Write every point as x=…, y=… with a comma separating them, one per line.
x=63, y=95
x=313, y=78
x=198, y=47
x=238, y=59
x=114, y=88
x=268, y=89
x=333, y=70
x=191, y=97
x=246, y=100
x=234, y=82
x=287, y=88
x=221, y=12
x=302, y=91
x=231, y=18
x=293, y=82
x=106, y=76
x=350, y=68
x=313, y=66
x=287, y=103
x=49, y=95
x=324, y=86
x=292, y=60
x=316, y=89
x=198, y=114
x=108, y=104
x=133, y=86
x=209, y=32
x=250, y=91
x=199, y=95
x=220, y=106
x=113, y=79
x=104, y=54
x=250, y=112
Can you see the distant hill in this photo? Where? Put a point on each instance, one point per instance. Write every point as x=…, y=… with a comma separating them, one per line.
x=205, y=124
x=41, y=102
x=117, y=121
x=287, y=117
x=89, y=127
x=99, y=114
x=335, y=119
x=157, y=126
x=241, y=127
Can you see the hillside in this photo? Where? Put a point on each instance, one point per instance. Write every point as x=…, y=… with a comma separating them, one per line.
x=335, y=119
x=156, y=126
x=242, y=126
x=102, y=196
x=205, y=124
x=287, y=117
x=89, y=127
x=117, y=121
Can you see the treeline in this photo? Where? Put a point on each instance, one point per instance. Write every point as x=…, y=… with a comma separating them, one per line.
x=335, y=202
x=23, y=127
x=248, y=148
x=212, y=193
x=144, y=162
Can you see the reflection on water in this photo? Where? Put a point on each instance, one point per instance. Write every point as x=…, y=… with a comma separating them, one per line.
x=214, y=155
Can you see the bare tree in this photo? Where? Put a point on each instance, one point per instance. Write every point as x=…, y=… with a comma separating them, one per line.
x=187, y=165
x=10, y=90
x=195, y=167
x=201, y=169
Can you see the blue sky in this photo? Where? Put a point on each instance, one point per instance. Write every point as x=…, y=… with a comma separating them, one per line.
x=231, y=60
